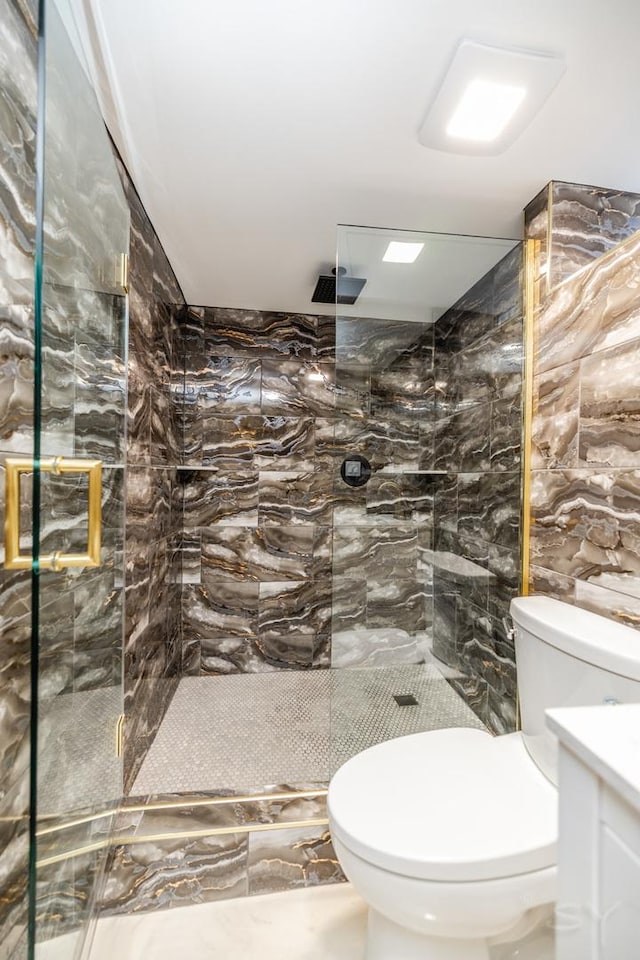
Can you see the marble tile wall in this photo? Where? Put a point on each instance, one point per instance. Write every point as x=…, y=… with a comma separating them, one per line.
x=153, y=629
x=279, y=554
x=18, y=99
x=585, y=485
x=193, y=864
x=478, y=346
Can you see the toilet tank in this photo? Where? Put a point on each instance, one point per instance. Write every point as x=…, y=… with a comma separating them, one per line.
x=567, y=657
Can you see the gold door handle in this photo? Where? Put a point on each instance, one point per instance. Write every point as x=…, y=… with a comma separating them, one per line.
x=14, y=560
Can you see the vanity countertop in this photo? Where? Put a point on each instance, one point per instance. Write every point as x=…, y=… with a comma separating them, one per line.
x=607, y=739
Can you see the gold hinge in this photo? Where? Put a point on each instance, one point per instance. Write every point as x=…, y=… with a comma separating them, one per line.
x=122, y=271
x=119, y=735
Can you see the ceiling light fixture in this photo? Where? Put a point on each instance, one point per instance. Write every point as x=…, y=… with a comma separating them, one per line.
x=398, y=251
x=488, y=97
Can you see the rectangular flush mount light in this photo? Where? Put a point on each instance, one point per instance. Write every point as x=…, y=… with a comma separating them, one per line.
x=398, y=251
x=487, y=98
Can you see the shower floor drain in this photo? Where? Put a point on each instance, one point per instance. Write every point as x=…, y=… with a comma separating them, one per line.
x=405, y=700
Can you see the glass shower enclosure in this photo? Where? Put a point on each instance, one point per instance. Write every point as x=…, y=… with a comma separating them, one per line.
x=427, y=483
x=76, y=481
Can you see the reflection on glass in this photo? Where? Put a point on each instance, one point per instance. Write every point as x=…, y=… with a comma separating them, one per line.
x=425, y=554
x=83, y=323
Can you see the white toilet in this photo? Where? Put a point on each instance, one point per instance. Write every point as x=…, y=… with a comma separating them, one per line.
x=450, y=836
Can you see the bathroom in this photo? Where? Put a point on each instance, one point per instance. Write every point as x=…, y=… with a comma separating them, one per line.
x=251, y=532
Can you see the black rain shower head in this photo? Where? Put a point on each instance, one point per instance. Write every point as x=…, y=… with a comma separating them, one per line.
x=347, y=292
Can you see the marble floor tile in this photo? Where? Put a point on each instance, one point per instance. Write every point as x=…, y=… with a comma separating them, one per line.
x=315, y=923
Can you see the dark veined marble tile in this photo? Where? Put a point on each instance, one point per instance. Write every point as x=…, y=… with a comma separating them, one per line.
x=506, y=433
x=378, y=343
x=349, y=604
x=294, y=608
x=285, y=443
x=325, y=346
x=221, y=610
x=397, y=603
x=292, y=651
x=16, y=379
x=289, y=386
x=175, y=872
x=191, y=558
x=461, y=567
x=508, y=285
x=489, y=506
x=295, y=497
x=609, y=428
x=163, y=427
x=165, y=285
x=445, y=621
x=586, y=521
x=445, y=502
x=192, y=332
x=14, y=838
x=223, y=656
x=405, y=388
x=502, y=713
x=474, y=692
x=588, y=221
x=471, y=318
x=15, y=695
x=462, y=443
x=217, y=497
x=138, y=423
x=385, y=443
x=225, y=385
x=189, y=424
x=255, y=333
x=352, y=389
x=400, y=497
x=98, y=612
x=285, y=859
x=259, y=553
x=321, y=651
x=600, y=594
x=484, y=651
x=596, y=309
x=18, y=105
x=554, y=438
x=228, y=442
x=379, y=551
x=99, y=409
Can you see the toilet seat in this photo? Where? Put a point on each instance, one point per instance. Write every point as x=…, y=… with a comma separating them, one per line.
x=448, y=805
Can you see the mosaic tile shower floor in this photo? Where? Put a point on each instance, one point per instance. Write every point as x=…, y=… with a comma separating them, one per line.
x=245, y=731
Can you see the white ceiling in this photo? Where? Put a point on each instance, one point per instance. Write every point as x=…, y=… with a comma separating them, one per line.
x=253, y=127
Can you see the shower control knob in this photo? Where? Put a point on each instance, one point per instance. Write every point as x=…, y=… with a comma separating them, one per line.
x=355, y=470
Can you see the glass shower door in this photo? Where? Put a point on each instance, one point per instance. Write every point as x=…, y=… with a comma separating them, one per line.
x=78, y=490
x=426, y=446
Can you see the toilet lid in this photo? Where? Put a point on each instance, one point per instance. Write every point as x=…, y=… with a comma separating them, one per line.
x=450, y=805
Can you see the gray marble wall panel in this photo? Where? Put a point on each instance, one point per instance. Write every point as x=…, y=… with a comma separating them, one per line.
x=153, y=630
x=477, y=435
x=272, y=404
x=183, y=867
x=18, y=101
x=576, y=224
x=585, y=485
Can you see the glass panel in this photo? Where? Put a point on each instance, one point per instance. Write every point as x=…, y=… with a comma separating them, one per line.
x=81, y=321
x=425, y=548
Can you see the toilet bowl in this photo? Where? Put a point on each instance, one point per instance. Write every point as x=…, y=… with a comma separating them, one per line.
x=450, y=836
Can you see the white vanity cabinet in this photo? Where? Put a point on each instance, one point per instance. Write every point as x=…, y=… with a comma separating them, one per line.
x=598, y=907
